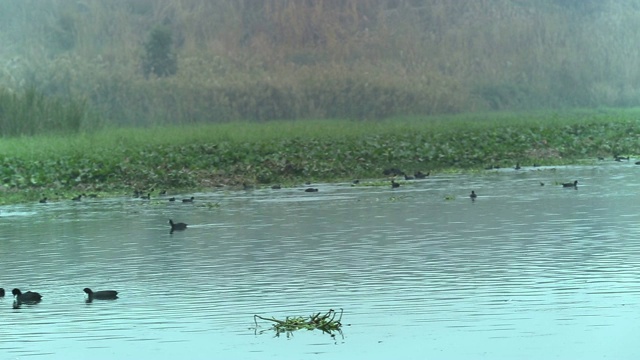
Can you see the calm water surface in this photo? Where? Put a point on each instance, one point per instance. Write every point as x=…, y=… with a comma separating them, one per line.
x=524, y=272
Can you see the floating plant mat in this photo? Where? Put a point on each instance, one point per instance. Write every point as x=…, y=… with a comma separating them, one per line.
x=327, y=323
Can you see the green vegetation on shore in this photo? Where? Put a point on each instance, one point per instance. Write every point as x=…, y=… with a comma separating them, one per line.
x=121, y=160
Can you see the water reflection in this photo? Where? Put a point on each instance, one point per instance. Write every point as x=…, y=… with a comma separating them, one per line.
x=525, y=271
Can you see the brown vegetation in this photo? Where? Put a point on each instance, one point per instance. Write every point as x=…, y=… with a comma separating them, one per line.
x=363, y=59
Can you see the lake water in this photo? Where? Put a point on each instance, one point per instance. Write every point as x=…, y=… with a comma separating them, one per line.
x=422, y=272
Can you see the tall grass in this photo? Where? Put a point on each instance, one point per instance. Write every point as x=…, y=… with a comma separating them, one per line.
x=30, y=112
x=123, y=139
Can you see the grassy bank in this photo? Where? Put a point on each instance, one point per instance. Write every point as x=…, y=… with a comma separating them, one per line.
x=118, y=161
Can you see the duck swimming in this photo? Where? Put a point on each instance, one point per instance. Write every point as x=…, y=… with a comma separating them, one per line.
x=28, y=297
x=101, y=295
x=177, y=226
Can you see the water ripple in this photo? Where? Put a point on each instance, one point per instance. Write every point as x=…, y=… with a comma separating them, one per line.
x=507, y=275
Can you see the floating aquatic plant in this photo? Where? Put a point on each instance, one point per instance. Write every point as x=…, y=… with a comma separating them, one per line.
x=327, y=323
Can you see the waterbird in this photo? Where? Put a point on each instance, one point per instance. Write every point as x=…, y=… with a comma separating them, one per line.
x=101, y=295
x=43, y=200
x=421, y=175
x=394, y=184
x=172, y=199
x=310, y=190
x=177, y=226
x=571, y=184
x=1, y=292
x=473, y=195
x=188, y=200
x=28, y=297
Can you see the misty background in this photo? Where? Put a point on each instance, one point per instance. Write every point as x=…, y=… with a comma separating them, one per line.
x=145, y=62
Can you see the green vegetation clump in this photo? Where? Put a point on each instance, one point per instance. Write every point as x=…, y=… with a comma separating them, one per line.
x=159, y=58
x=64, y=32
x=327, y=323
